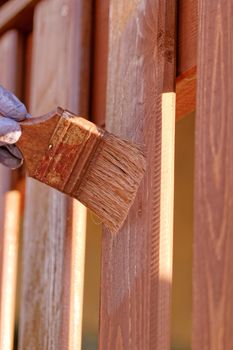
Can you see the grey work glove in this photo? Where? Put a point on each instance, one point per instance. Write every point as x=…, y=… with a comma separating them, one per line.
x=11, y=112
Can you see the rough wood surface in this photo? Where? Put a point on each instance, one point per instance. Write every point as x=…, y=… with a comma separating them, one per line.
x=16, y=14
x=187, y=11
x=9, y=268
x=213, y=239
x=137, y=262
x=54, y=235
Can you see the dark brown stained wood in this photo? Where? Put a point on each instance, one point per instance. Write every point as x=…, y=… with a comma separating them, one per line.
x=54, y=233
x=137, y=262
x=17, y=14
x=186, y=93
x=100, y=61
x=213, y=238
x=187, y=15
x=2, y=2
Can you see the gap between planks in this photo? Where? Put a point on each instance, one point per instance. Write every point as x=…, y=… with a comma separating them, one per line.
x=14, y=12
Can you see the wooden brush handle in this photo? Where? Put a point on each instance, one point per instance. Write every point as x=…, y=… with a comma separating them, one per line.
x=58, y=148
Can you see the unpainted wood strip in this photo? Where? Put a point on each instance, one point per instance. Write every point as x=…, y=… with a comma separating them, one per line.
x=14, y=14
x=187, y=17
x=9, y=268
x=137, y=261
x=51, y=311
x=186, y=93
x=213, y=238
x=79, y=212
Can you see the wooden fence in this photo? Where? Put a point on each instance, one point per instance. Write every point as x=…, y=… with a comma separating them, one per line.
x=131, y=66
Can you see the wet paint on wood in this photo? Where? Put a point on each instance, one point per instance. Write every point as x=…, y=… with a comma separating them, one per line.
x=213, y=239
x=137, y=262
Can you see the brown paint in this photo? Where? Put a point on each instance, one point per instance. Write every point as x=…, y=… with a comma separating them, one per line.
x=187, y=13
x=135, y=283
x=59, y=68
x=213, y=239
x=78, y=158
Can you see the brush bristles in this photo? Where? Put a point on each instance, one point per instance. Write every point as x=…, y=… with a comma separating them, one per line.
x=112, y=180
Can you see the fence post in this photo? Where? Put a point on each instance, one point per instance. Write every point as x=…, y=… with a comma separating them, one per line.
x=213, y=234
x=137, y=262
x=54, y=232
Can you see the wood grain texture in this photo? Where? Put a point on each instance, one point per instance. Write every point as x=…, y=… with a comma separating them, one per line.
x=10, y=51
x=16, y=14
x=10, y=60
x=186, y=93
x=213, y=239
x=137, y=262
x=187, y=11
x=9, y=268
x=54, y=234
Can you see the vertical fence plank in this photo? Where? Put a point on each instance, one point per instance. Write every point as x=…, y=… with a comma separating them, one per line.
x=10, y=245
x=10, y=52
x=54, y=237
x=213, y=239
x=10, y=60
x=187, y=11
x=137, y=262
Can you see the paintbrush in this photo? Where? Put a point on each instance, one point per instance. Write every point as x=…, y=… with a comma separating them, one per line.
x=84, y=161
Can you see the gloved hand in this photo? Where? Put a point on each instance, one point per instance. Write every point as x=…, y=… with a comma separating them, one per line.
x=11, y=112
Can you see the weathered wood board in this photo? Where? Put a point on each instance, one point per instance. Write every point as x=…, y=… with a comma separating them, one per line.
x=54, y=233
x=137, y=262
x=213, y=236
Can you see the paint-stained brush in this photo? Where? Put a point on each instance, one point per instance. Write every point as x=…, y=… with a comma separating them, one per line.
x=84, y=161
